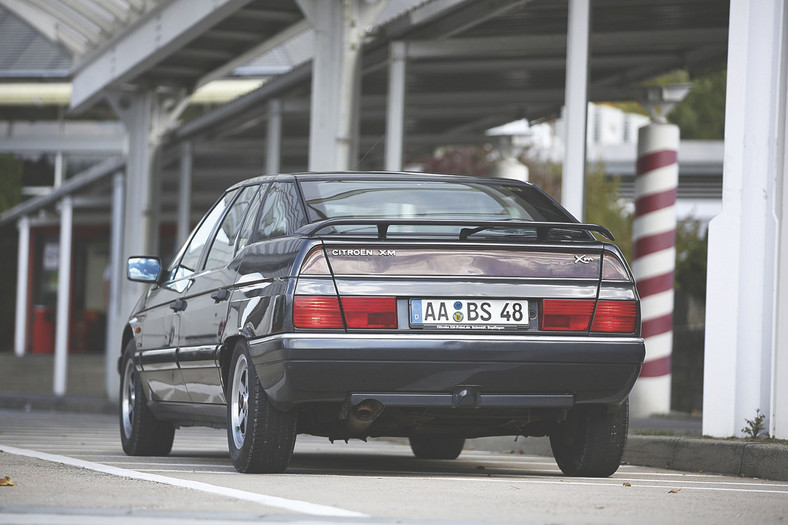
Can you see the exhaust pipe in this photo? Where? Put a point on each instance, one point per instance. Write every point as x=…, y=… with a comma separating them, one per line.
x=359, y=418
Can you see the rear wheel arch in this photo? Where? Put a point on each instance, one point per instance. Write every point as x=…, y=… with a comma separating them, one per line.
x=225, y=360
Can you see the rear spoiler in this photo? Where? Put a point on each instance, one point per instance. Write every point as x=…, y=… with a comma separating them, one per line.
x=469, y=227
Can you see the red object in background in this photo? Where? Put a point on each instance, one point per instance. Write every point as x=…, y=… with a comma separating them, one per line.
x=43, y=330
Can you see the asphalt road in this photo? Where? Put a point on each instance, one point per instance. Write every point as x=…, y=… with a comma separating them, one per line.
x=69, y=468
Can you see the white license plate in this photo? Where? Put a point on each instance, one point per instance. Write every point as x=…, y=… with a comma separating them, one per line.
x=457, y=314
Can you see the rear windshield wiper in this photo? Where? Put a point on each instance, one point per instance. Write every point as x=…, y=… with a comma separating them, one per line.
x=470, y=227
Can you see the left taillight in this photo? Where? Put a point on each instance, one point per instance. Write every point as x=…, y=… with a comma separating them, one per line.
x=370, y=312
x=324, y=312
x=318, y=311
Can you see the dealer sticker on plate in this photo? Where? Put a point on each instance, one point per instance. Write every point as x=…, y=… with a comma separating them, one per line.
x=462, y=314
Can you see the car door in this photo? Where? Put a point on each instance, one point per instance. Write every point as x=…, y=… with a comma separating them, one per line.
x=207, y=299
x=157, y=342
x=160, y=326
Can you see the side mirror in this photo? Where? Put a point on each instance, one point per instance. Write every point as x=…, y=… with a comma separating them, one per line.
x=144, y=269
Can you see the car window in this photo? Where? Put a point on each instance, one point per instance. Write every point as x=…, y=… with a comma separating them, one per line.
x=248, y=227
x=419, y=199
x=190, y=258
x=222, y=248
x=282, y=212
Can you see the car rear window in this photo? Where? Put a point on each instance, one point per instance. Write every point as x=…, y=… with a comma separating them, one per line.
x=415, y=199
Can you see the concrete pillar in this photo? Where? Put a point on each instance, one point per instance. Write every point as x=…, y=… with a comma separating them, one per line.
x=336, y=72
x=395, y=108
x=117, y=275
x=63, y=295
x=654, y=236
x=746, y=348
x=274, y=137
x=185, y=193
x=576, y=107
x=22, y=280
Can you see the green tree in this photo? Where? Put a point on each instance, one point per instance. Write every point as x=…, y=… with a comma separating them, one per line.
x=604, y=206
x=701, y=115
x=691, y=257
x=10, y=182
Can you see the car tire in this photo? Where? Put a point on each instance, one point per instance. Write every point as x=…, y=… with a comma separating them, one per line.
x=141, y=434
x=425, y=446
x=260, y=437
x=590, y=442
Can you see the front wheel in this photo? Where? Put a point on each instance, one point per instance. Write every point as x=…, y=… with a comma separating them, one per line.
x=261, y=438
x=590, y=442
x=141, y=434
x=436, y=446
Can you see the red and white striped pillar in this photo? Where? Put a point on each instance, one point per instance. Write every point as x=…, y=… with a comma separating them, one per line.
x=654, y=253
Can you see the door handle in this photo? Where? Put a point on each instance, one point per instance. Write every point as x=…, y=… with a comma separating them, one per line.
x=178, y=306
x=220, y=295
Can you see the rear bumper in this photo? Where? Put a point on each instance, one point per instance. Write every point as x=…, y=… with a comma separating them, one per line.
x=435, y=369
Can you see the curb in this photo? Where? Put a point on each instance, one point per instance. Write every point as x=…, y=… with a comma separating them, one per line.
x=736, y=458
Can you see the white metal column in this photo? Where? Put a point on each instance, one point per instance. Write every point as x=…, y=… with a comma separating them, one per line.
x=395, y=109
x=185, y=193
x=274, y=137
x=60, y=169
x=746, y=348
x=63, y=295
x=139, y=113
x=576, y=107
x=115, y=321
x=336, y=69
x=22, y=279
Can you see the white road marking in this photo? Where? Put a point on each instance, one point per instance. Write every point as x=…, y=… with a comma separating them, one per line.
x=303, y=507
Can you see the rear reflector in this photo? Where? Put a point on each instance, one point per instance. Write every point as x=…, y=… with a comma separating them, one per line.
x=322, y=311
x=319, y=311
x=370, y=312
x=615, y=316
x=567, y=314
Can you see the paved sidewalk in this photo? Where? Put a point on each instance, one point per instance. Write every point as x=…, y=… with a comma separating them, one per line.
x=682, y=450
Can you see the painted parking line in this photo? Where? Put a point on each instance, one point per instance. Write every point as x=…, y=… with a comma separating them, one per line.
x=303, y=507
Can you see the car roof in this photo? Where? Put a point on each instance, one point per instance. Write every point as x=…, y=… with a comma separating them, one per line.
x=374, y=175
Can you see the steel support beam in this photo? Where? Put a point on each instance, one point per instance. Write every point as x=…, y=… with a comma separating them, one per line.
x=336, y=69
x=395, y=108
x=576, y=93
x=115, y=320
x=185, y=193
x=541, y=45
x=274, y=137
x=156, y=35
x=63, y=296
x=22, y=280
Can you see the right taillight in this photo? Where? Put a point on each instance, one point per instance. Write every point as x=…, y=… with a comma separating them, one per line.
x=576, y=315
x=567, y=314
x=615, y=316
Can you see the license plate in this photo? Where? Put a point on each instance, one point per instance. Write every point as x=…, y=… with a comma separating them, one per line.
x=463, y=314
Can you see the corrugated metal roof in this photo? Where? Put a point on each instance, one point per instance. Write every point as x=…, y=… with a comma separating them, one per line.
x=26, y=53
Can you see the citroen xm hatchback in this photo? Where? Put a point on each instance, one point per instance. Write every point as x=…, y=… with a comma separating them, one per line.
x=347, y=305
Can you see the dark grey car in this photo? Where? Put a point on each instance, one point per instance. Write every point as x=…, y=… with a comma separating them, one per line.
x=348, y=305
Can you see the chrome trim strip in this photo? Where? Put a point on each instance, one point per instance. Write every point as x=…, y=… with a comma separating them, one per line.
x=448, y=337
